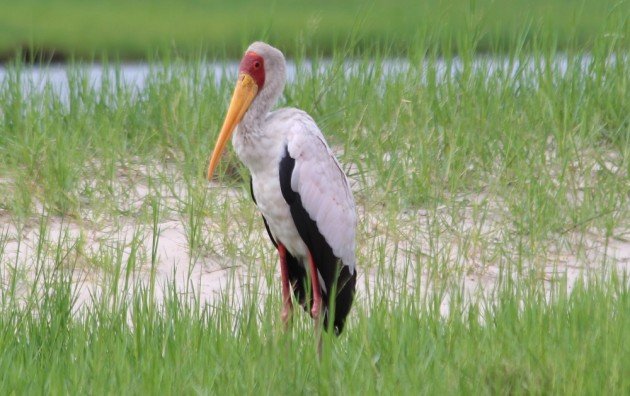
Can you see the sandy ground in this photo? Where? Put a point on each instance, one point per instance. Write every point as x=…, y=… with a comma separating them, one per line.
x=471, y=247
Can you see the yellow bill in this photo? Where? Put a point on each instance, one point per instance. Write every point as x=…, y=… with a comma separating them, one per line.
x=244, y=93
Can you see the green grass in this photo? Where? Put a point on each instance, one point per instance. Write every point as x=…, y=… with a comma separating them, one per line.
x=63, y=29
x=523, y=171
x=524, y=340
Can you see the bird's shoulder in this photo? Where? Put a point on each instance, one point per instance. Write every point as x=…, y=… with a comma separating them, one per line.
x=289, y=115
x=306, y=144
x=295, y=123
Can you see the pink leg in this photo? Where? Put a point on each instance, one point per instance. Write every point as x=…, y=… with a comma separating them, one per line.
x=317, y=295
x=287, y=306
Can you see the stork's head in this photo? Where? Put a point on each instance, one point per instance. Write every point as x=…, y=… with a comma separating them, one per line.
x=261, y=77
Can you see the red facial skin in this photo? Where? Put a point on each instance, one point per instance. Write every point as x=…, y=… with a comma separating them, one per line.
x=254, y=65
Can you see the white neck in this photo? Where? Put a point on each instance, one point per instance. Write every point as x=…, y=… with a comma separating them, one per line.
x=266, y=98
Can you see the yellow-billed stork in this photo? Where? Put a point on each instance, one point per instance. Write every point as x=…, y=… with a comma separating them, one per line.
x=298, y=186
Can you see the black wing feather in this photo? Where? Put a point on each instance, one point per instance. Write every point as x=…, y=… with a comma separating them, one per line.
x=335, y=275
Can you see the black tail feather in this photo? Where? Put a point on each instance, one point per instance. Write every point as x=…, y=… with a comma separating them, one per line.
x=345, y=288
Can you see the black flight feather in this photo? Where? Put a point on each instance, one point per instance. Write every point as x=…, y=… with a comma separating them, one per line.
x=335, y=275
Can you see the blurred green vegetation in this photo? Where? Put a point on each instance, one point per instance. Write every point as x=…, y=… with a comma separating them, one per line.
x=137, y=29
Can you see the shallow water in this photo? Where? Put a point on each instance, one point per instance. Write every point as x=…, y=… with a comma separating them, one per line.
x=135, y=75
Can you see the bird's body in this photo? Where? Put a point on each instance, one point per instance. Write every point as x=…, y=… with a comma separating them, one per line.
x=265, y=171
x=298, y=186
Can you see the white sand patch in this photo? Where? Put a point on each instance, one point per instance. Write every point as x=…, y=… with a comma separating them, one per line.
x=472, y=245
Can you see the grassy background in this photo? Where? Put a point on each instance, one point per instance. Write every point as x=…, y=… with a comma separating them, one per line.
x=136, y=29
x=464, y=165
x=550, y=147
x=547, y=135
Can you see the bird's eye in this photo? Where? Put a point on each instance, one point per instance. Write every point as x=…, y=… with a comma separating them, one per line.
x=256, y=65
